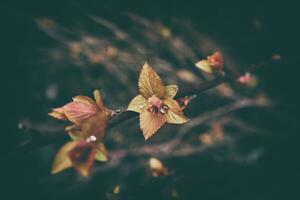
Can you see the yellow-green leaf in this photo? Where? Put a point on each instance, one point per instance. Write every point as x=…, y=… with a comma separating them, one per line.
x=62, y=160
x=171, y=91
x=204, y=66
x=98, y=99
x=150, y=83
x=75, y=132
x=101, y=152
x=174, y=114
x=137, y=104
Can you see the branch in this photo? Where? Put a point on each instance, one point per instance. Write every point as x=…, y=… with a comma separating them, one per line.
x=39, y=140
x=176, y=147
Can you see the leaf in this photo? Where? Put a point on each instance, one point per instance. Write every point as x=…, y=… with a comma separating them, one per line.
x=76, y=133
x=98, y=99
x=174, y=114
x=62, y=160
x=171, y=91
x=77, y=112
x=95, y=126
x=101, y=152
x=82, y=157
x=204, y=66
x=150, y=122
x=58, y=113
x=137, y=104
x=83, y=99
x=150, y=83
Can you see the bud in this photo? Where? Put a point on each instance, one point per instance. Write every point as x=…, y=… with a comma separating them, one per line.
x=216, y=61
x=247, y=80
x=157, y=168
x=213, y=63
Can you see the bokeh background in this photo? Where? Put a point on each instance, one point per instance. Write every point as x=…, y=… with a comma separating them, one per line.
x=242, y=142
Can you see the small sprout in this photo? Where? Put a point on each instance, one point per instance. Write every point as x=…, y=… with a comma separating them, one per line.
x=158, y=105
x=248, y=80
x=117, y=189
x=114, y=194
x=101, y=152
x=213, y=63
x=157, y=167
x=184, y=101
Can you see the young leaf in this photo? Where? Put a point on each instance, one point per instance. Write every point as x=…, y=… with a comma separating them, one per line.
x=213, y=63
x=83, y=99
x=137, y=104
x=95, y=126
x=82, y=157
x=77, y=112
x=151, y=122
x=58, y=113
x=150, y=83
x=171, y=91
x=98, y=99
x=76, y=133
x=204, y=66
x=174, y=114
x=101, y=152
x=62, y=160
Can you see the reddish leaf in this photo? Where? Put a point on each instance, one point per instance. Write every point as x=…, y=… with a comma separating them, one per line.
x=151, y=122
x=62, y=160
x=77, y=112
x=82, y=157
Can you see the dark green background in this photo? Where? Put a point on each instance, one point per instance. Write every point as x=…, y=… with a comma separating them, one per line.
x=275, y=176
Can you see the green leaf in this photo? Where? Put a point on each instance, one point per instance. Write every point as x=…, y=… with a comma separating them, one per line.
x=101, y=153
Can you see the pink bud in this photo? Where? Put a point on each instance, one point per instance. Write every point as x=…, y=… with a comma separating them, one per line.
x=216, y=61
